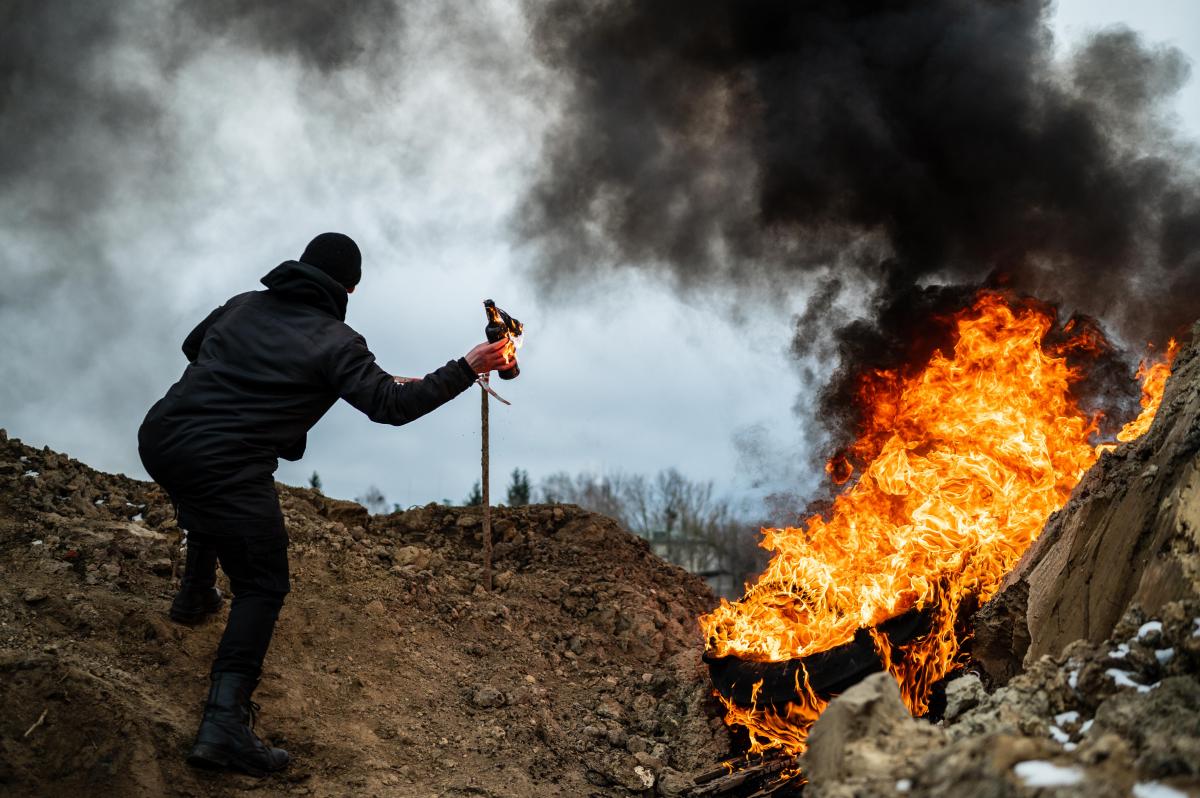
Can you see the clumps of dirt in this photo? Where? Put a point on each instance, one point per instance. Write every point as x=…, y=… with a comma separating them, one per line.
x=1117, y=718
x=392, y=673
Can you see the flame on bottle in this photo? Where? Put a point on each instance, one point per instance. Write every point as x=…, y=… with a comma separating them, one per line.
x=514, y=331
x=961, y=463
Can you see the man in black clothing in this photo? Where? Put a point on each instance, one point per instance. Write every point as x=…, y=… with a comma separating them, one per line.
x=262, y=370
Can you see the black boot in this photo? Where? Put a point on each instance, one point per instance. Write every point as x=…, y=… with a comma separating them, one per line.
x=226, y=740
x=197, y=597
x=193, y=606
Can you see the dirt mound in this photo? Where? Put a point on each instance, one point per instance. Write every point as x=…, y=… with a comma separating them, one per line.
x=392, y=672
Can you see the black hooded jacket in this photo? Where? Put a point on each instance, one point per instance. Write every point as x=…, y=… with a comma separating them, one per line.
x=263, y=368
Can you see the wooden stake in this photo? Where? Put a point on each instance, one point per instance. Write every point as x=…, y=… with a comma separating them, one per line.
x=487, y=502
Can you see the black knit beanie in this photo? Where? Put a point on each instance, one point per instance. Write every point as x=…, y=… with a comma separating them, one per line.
x=337, y=255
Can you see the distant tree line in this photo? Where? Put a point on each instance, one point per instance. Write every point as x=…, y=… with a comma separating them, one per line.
x=518, y=493
x=684, y=520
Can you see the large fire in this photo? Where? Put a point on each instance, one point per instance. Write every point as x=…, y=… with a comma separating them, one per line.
x=960, y=466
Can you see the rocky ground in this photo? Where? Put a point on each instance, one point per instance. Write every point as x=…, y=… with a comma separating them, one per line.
x=1104, y=720
x=392, y=672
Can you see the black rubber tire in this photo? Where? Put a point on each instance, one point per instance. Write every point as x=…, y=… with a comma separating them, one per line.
x=829, y=672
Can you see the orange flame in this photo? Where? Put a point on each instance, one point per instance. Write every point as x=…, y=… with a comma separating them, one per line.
x=964, y=461
x=1153, y=375
x=509, y=351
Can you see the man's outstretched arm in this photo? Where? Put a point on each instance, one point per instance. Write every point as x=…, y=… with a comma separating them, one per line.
x=360, y=381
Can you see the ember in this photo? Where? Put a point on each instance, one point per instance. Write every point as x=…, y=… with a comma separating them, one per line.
x=954, y=473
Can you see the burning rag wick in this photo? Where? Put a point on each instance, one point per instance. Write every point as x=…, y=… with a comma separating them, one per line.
x=961, y=465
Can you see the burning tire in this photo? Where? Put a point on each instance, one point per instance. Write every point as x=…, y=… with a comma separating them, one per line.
x=829, y=672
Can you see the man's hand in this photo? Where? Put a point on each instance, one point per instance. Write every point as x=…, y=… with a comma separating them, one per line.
x=488, y=357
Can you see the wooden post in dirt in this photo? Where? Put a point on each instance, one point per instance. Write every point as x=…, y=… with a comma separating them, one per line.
x=487, y=501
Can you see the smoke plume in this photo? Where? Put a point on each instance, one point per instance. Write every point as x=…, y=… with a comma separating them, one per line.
x=114, y=158
x=908, y=151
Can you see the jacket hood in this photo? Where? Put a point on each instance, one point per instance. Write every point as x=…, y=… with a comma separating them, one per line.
x=301, y=282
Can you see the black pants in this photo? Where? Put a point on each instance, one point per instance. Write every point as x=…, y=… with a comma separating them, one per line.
x=253, y=554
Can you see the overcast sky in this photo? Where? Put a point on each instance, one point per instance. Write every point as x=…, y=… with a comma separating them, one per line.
x=246, y=152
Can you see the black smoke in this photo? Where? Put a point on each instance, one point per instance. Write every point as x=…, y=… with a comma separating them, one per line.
x=912, y=150
x=97, y=161
x=327, y=35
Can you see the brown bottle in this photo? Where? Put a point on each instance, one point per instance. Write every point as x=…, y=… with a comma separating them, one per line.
x=501, y=325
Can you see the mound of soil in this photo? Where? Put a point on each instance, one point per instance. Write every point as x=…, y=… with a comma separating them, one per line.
x=392, y=672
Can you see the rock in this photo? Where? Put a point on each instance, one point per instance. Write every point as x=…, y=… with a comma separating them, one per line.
x=617, y=736
x=1001, y=633
x=645, y=775
x=866, y=737
x=488, y=697
x=344, y=512
x=962, y=694
x=416, y=556
x=1162, y=725
x=33, y=596
x=143, y=534
x=981, y=767
x=672, y=783
x=631, y=776
x=649, y=761
x=608, y=708
x=637, y=745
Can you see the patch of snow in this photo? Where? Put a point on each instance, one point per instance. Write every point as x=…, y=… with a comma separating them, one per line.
x=1148, y=627
x=99, y=501
x=1073, y=678
x=1152, y=789
x=1063, y=718
x=24, y=459
x=1195, y=627
x=137, y=518
x=1164, y=655
x=1039, y=773
x=1060, y=736
x=1124, y=679
x=903, y=785
x=31, y=474
x=1086, y=727
x=36, y=543
x=1070, y=746
x=1120, y=651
